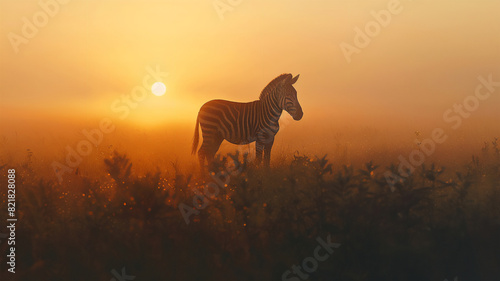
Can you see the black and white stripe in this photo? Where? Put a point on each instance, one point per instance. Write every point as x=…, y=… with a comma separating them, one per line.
x=243, y=123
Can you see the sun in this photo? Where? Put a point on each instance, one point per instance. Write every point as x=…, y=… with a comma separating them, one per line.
x=158, y=89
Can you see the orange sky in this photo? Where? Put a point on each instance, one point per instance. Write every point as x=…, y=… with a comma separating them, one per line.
x=92, y=52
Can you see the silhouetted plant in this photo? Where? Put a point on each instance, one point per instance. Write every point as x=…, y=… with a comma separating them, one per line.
x=119, y=168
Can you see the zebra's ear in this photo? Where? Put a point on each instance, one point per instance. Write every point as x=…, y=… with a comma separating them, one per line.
x=286, y=80
x=295, y=79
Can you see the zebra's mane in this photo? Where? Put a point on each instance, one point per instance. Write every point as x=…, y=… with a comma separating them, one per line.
x=273, y=84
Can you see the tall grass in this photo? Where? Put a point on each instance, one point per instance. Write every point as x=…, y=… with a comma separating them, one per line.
x=431, y=227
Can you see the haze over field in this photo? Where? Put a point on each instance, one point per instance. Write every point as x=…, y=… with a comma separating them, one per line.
x=78, y=67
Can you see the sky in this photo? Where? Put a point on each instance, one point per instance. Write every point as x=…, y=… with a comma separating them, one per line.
x=85, y=56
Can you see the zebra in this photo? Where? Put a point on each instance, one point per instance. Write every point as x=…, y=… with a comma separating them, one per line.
x=244, y=123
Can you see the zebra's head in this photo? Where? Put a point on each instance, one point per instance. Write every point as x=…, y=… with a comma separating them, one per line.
x=290, y=102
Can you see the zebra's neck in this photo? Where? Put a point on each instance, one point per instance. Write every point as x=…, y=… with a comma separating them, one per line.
x=272, y=107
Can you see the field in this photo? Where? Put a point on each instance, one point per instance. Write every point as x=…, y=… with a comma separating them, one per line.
x=256, y=224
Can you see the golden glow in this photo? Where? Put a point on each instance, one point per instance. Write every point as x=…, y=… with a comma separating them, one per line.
x=91, y=55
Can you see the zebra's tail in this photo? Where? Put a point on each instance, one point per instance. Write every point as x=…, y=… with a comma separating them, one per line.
x=196, y=138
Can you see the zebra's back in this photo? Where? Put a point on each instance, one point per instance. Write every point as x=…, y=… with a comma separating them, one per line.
x=235, y=121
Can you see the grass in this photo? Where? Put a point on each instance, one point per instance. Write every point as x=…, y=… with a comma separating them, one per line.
x=431, y=227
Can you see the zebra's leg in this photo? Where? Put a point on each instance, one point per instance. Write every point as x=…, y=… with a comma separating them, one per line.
x=201, y=159
x=259, y=149
x=210, y=148
x=267, y=152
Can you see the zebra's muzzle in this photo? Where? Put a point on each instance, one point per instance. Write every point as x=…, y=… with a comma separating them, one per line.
x=297, y=116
